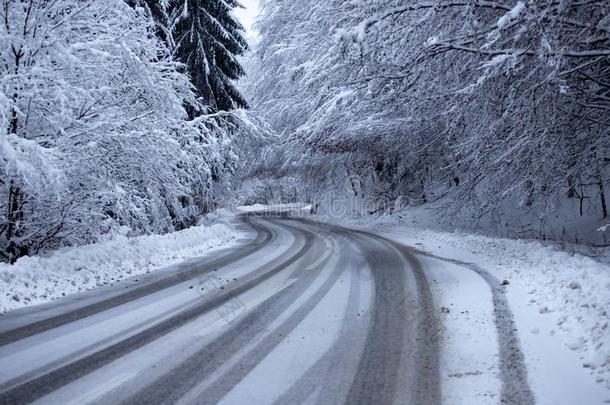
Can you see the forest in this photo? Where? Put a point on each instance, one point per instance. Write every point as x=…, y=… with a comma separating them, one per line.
x=139, y=117
x=115, y=118
x=494, y=112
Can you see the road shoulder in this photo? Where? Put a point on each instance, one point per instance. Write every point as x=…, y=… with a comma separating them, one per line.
x=560, y=303
x=65, y=272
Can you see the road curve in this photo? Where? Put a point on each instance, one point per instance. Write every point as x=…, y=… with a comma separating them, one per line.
x=301, y=312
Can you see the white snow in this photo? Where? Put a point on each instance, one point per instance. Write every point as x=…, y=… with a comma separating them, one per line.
x=360, y=31
x=604, y=228
x=496, y=61
x=433, y=40
x=469, y=369
x=560, y=302
x=38, y=279
x=356, y=33
x=512, y=15
x=273, y=209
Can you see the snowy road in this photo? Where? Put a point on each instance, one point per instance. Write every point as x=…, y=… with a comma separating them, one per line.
x=300, y=313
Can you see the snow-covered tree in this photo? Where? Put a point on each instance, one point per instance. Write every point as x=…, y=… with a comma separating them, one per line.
x=208, y=39
x=94, y=138
x=485, y=102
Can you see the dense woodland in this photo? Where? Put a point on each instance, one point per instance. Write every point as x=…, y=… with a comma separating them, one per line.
x=484, y=106
x=110, y=118
x=126, y=116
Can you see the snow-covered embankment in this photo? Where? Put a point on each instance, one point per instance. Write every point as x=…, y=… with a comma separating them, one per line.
x=38, y=279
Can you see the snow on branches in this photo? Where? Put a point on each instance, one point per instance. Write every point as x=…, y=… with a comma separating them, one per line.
x=488, y=102
x=94, y=138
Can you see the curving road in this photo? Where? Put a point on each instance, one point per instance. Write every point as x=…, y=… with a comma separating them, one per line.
x=299, y=312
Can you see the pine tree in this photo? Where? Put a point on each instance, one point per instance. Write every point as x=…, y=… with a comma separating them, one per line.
x=207, y=39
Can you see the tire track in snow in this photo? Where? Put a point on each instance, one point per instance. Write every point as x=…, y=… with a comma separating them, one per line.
x=203, y=364
x=61, y=376
x=404, y=327
x=513, y=372
x=216, y=392
x=333, y=373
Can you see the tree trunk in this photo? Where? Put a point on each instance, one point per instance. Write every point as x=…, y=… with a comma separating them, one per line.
x=571, y=187
x=14, y=215
x=423, y=192
x=14, y=210
x=530, y=199
x=602, y=196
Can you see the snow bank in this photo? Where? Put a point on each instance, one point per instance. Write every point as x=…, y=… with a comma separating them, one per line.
x=572, y=289
x=37, y=279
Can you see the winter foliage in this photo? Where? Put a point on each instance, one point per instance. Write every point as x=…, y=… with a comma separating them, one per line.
x=205, y=36
x=118, y=117
x=484, y=104
x=95, y=139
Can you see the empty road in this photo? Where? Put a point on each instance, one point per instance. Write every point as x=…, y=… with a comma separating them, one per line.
x=298, y=312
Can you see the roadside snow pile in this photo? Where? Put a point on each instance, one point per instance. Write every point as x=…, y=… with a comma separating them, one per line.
x=37, y=279
x=572, y=290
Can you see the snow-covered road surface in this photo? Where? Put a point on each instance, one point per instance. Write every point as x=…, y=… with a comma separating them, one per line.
x=302, y=313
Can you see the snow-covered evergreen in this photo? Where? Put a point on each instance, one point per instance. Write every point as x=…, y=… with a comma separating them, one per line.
x=206, y=37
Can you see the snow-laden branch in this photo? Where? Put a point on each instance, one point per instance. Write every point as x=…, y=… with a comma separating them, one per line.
x=520, y=52
x=437, y=5
x=523, y=87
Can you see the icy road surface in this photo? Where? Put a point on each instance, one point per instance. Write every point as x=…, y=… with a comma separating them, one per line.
x=301, y=313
